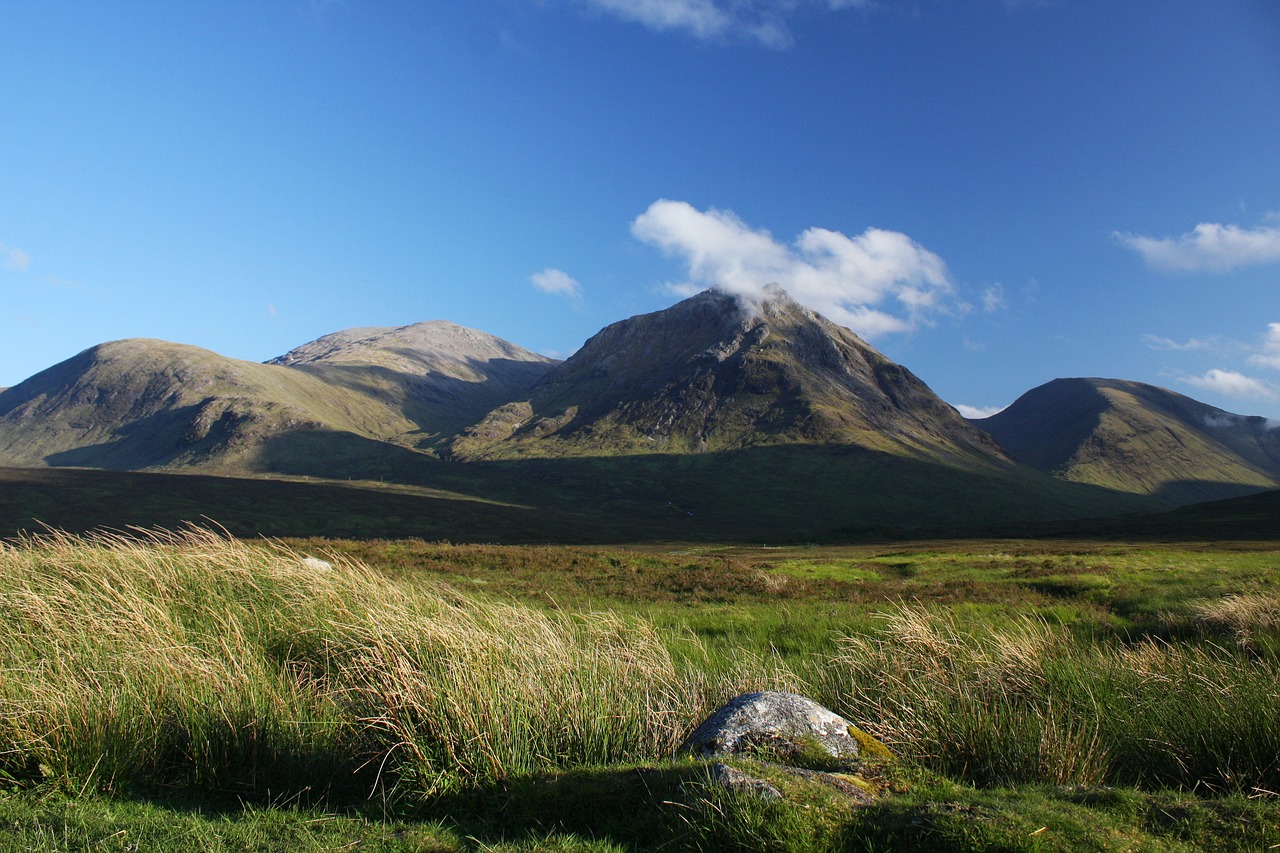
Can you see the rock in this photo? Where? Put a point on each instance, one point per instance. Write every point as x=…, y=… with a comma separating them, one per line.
x=781, y=723
x=735, y=780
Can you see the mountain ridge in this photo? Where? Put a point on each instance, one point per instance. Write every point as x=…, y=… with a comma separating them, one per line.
x=144, y=403
x=731, y=415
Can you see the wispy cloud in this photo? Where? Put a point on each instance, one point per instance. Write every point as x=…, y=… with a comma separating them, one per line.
x=1190, y=345
x=978, y=412
x=703, y=19
x=877, y=282
x=14, y=258
x=1229, y=383
x=993, y=299
x=1209, y=247
x=761, y=21
x=556, y=282
x=1270, y=354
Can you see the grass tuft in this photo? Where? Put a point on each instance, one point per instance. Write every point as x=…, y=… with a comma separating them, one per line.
x=1035, y=704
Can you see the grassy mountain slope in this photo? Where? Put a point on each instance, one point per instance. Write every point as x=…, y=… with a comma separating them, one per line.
x=442, y=376
x=708, y=421
x=146, y=404
x=1138, y=438
x=1247, y=518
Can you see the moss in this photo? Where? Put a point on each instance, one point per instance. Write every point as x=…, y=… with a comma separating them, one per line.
x=870, y=749
x=859, y=782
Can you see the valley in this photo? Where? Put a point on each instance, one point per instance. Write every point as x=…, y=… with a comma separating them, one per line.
x=418, y=589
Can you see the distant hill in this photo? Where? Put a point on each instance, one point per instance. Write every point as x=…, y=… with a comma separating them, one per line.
x=137, y=404
x=1138, y=438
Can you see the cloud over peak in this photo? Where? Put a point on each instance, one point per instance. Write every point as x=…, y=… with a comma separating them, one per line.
x=876, y=282
x=974, y=413
x=1209, y=247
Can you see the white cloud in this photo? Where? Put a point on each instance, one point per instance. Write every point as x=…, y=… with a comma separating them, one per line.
x=556, y=282
x=877, y=282
x=14, y=258
x=704, y=19
x=1210, y=247
x=977, y=412
x=1270, y=355
x=1222, y=420
x=1232, y=384
x=762, y=21
x=1158, y=343
x=701, y=18
x=1225, y=420
x=993, y=299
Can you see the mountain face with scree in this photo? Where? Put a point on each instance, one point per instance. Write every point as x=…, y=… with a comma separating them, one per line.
x=715, y=373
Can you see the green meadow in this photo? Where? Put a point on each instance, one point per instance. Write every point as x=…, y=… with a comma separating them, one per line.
x=189, y=690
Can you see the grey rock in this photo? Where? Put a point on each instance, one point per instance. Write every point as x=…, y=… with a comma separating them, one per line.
x=736, y=780
x=755, y=718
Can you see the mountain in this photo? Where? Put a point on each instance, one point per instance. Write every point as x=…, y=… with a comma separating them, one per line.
x=140, y=403
x=716, y=419
x=1140, y=439
x=714, y=373
x=440, y=375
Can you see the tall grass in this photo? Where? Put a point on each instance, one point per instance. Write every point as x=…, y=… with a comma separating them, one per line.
x=1033, y=703
x=191, y=660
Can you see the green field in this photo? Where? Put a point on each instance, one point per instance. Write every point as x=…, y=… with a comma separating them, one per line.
x=196, y=692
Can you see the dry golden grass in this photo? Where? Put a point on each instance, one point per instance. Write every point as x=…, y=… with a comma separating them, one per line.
x=191, y=658
x=1033, y=703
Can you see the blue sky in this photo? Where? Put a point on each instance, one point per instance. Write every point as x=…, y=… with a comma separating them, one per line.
x=995, y=193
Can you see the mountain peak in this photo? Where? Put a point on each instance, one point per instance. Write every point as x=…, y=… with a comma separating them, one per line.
x=722, y=371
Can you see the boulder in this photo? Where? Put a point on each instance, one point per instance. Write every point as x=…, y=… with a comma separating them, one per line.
x=776, y=722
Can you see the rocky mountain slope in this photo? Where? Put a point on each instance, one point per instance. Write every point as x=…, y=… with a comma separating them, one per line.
x=713, y=374
x=1138, y=438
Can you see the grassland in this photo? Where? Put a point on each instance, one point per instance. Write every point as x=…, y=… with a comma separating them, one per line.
x=195, y=692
